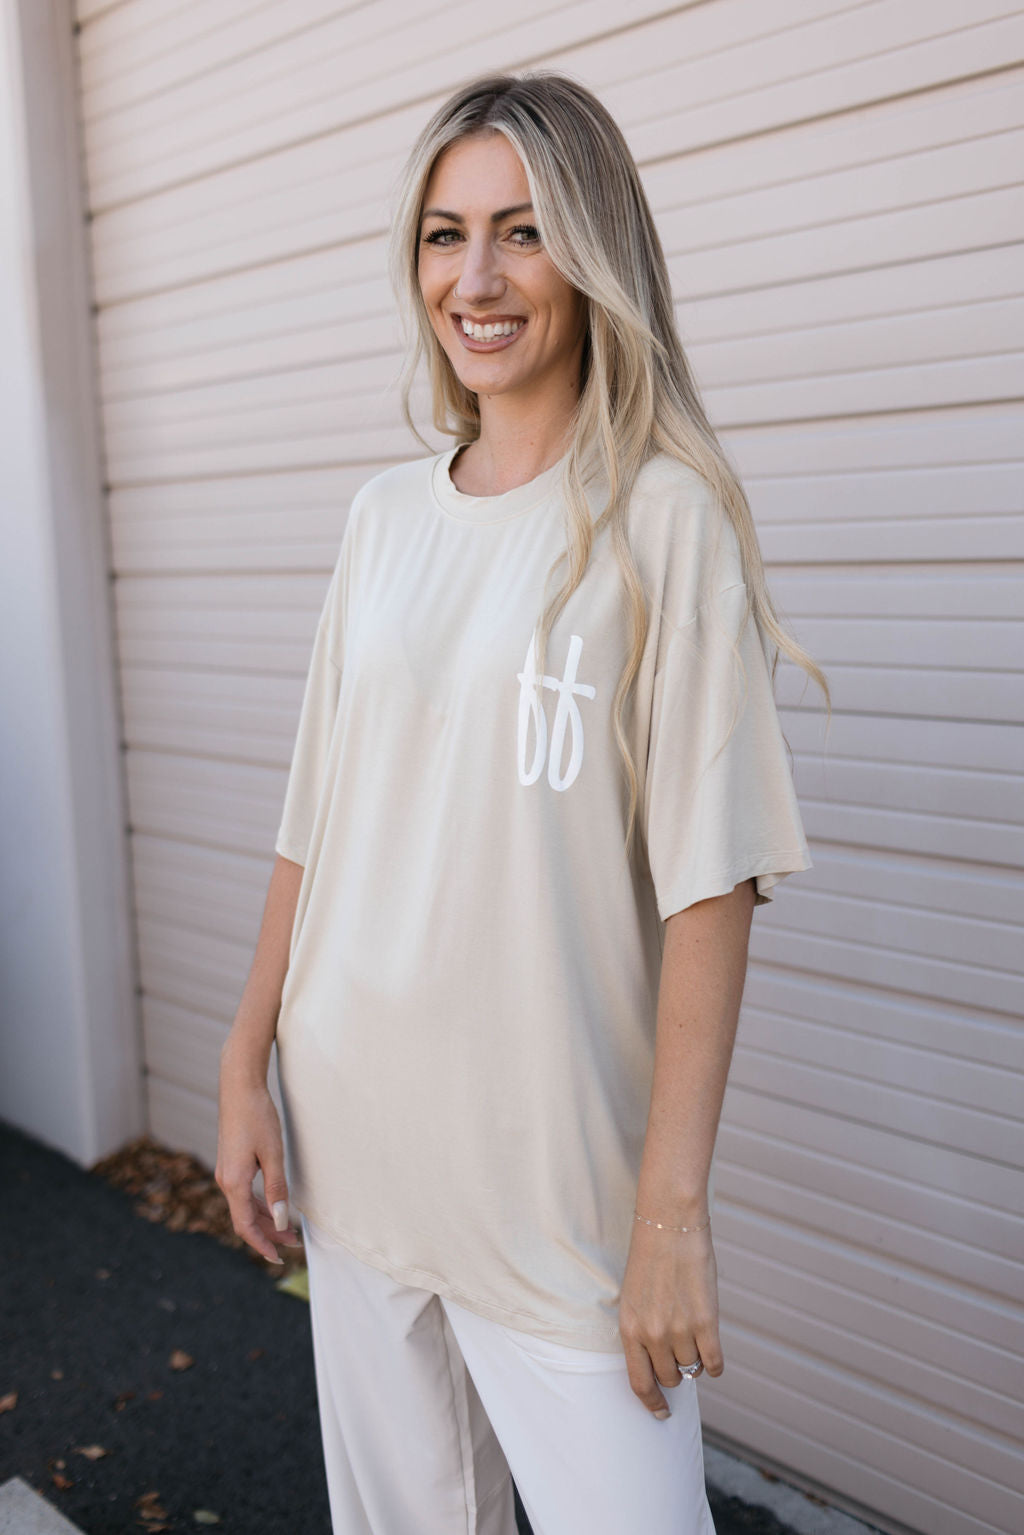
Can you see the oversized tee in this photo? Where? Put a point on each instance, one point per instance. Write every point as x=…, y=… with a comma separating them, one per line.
x=467, y=1026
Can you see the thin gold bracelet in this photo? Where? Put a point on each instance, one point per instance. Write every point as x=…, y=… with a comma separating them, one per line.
x=662, y=1227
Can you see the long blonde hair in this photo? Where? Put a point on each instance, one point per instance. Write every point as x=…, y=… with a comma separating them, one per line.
x=637, y=396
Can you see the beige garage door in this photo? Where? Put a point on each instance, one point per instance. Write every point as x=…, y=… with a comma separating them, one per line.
x=837, y=185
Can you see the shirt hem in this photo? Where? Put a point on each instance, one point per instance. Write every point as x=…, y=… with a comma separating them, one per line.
x=768, y=870
x=589, y=1338
x=290, y=850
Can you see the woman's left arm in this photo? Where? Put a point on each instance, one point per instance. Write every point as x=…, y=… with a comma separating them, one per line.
x=668, y=1312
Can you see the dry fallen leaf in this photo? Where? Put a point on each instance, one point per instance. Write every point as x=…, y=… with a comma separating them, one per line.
x=90, y=1451
x=9, y=1402
x=205, y=1516
x=180, y=1360
x=121, y=1401
x=176, y=1189
x=56, y=1374
x=63, y=1482
x=151, y=1512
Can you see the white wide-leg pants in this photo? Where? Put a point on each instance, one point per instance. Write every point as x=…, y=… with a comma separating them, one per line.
x=428, y=1410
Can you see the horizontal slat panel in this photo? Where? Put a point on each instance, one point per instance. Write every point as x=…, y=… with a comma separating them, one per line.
x=938, y=693
x=771, y=1390
x=790, y=455
x=971, y=221
x=195, y=970
x=929, y=591
x=182, y=1045
x=259, y=625
x=184, y=884
x=923, y=836
x=876, y=1277
x=968, y=888
x=816, y=935
x=889, y=66
x=978, y=1132
x=144, y=48
x=901, y=1072
x=904, y=1175
x=960, y=1033
x=235, y=524
x=889, y=1216
x=182, y=1119
x=218, y=804
x=343, y=73
x=969, y=537
x=222, y=715
x=889, y=1345
x=918, y=787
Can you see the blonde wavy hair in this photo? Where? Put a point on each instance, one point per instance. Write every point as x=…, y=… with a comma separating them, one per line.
x=637, y=397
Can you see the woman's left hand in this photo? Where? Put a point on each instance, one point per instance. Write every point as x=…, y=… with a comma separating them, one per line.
x=668, y=1311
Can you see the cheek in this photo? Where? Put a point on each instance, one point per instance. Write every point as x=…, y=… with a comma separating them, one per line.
x=431, y=301
x=564, y=309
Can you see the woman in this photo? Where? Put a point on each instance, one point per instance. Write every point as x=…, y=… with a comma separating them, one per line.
x=523, y=835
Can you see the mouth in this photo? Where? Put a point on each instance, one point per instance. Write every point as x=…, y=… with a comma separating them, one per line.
x=490, y=335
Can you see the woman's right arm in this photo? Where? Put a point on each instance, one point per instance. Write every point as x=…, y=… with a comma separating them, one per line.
x=249, y=1129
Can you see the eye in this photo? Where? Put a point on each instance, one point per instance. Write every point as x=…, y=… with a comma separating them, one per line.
x=528, y=231
x=438, y=236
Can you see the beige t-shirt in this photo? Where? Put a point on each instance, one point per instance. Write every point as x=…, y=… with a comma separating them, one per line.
x=466, y=1036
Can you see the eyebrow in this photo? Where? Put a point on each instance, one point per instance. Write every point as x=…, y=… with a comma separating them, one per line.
x=496, y=218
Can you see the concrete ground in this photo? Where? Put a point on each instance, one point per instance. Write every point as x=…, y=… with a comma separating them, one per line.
x=157, y=1380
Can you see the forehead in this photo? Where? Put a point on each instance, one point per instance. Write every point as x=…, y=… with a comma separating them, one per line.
x=483, y=170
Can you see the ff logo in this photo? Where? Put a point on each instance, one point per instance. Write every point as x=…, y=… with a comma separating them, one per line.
x=567, y=713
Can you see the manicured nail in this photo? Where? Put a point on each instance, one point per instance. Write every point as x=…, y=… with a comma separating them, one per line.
x=663, y=1412
x=280, y=1214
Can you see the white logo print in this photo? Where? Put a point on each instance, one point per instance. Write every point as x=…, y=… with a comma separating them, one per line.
x=567, y=712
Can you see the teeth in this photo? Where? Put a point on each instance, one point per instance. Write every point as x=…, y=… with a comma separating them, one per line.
x=488, y=332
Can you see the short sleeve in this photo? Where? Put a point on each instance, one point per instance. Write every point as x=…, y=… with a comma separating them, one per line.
x=720, y=806
x=308, y=768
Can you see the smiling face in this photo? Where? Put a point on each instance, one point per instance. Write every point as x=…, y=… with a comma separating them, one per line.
x=516, y=326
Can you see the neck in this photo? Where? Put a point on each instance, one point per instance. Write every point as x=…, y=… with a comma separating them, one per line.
x=516, y=444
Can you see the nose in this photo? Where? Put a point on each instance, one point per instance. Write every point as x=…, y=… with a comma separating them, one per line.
x=480, y=281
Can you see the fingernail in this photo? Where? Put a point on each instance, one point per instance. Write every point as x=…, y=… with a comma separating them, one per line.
x=280, y=1214
x=663, y=1412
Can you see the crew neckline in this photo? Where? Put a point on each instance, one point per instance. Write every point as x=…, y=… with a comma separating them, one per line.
x=511, y=503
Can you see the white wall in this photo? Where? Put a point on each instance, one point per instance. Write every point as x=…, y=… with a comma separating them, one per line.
x=69, y=1056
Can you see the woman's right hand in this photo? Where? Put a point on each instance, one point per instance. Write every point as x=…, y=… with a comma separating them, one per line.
x=249, y=1139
